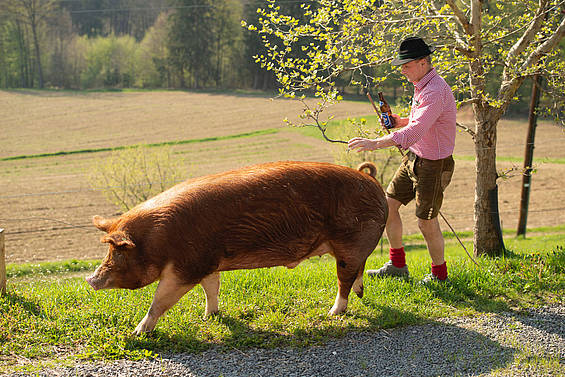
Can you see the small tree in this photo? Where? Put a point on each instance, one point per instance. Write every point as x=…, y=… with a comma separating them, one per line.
x=130, y=176
x=152, y=54
x=478, y=43
x=386, y=160
x=110, y=62
x=191, y=41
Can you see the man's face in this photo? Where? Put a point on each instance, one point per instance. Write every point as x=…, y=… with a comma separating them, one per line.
x=415, y=70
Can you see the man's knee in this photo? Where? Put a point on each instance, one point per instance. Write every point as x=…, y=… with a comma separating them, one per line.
x=429, y=227
x=393, y=204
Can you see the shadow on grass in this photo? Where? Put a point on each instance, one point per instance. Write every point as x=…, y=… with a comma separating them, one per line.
x=15, y=300
x=422, y=349
x=457, y=293
x=243, y=335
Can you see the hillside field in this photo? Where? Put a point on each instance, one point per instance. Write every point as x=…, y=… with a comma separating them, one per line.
x=46, y=203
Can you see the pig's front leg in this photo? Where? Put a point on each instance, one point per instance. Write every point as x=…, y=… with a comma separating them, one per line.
x=211, y=285
x=169, y=291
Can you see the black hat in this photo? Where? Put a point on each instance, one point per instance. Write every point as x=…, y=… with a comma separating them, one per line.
x=412, y=48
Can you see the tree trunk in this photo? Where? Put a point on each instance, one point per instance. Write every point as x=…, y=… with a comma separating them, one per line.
x=37, y=54
x=487, y=233
x=182, y=82
x=22, y=55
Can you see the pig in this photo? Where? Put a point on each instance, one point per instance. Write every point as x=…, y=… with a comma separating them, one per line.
x=273, y=214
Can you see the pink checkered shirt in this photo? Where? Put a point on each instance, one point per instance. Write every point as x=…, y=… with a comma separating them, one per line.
x=430, y=132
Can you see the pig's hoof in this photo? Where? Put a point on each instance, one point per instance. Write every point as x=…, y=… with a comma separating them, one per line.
x=359, y=292
x=339, y=306
x=358, y=287
x=336, y=310
x=143, y=328
x=138, y=331
x=211, y=314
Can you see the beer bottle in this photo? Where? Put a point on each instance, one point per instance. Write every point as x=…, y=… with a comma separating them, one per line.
x=386, y=112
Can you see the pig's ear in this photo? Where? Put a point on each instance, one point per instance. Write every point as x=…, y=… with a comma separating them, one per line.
x=119, y=240
x=102, y=223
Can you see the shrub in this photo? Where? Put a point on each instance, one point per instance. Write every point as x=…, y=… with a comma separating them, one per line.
x=132, y=175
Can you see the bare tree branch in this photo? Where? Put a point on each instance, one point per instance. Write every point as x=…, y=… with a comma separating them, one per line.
x=547, y=46
x=530, y=33
x=476, y=18
x=460, y=16
x=466, y=129
x=461, y=45
x=509, y=87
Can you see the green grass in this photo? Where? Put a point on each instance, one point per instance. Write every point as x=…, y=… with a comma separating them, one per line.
x=48, y=268
x=520, y=160
x=49, y=307
x=166, y=143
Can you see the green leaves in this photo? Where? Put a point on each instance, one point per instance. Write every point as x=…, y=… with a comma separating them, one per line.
x=356, y=39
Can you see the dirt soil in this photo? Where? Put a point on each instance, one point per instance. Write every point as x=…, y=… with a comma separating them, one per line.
x=46, y=204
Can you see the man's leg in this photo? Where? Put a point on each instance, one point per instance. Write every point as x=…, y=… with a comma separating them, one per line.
x=434, y=240
x=397, y=264
x=433, y=178
x=394, y=224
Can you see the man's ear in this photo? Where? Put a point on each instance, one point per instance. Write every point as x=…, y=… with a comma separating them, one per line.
x=102, y=223
x=118, y=239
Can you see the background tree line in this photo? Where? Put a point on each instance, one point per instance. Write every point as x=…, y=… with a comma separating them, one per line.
x=87, y=44
x=90, y=44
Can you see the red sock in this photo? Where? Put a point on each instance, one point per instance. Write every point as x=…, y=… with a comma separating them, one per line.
x=397, y=257
x=440, y=271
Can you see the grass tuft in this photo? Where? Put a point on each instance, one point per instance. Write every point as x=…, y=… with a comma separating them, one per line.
x=150, y=145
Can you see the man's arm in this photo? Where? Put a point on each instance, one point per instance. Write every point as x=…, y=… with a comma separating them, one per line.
x=422, y=118
x=399, y=122
x=363, y=144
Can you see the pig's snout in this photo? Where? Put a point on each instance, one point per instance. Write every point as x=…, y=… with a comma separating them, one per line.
x=93, y=282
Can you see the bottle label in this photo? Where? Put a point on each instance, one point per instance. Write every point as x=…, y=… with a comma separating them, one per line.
x=386, y=121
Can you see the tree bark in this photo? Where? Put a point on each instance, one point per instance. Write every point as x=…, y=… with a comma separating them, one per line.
x=23, y=62
x=37, y=53
x=487, y=233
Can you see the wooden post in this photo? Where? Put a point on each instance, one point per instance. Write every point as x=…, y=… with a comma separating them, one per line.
x=529, y=157
x=2, y=263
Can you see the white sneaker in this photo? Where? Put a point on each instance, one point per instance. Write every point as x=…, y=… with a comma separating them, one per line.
x=389, y=269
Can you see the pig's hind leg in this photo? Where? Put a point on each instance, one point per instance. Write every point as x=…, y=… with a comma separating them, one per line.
x=169, y=291
x=350, y=262
x=211, y=286
x=358, y=283
x=347, y=278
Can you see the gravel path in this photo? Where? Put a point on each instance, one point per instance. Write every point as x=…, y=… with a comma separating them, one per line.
x=507, y=344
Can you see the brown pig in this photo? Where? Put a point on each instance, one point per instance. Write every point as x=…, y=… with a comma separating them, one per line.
x=274, y=214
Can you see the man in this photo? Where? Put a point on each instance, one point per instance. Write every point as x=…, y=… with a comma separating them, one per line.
x=426, y=170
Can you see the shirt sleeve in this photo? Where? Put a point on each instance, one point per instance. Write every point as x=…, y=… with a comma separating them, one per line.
x=422, y=117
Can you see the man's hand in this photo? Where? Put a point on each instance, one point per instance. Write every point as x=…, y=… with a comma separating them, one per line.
x=399, y=122
x=362, y=144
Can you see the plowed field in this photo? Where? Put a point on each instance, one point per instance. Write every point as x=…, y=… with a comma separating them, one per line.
x=46, y=203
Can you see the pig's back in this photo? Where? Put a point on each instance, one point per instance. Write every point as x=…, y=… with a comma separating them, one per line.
x=269, y=214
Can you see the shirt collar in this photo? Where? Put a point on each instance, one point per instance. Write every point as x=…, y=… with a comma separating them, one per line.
x=426, y=79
